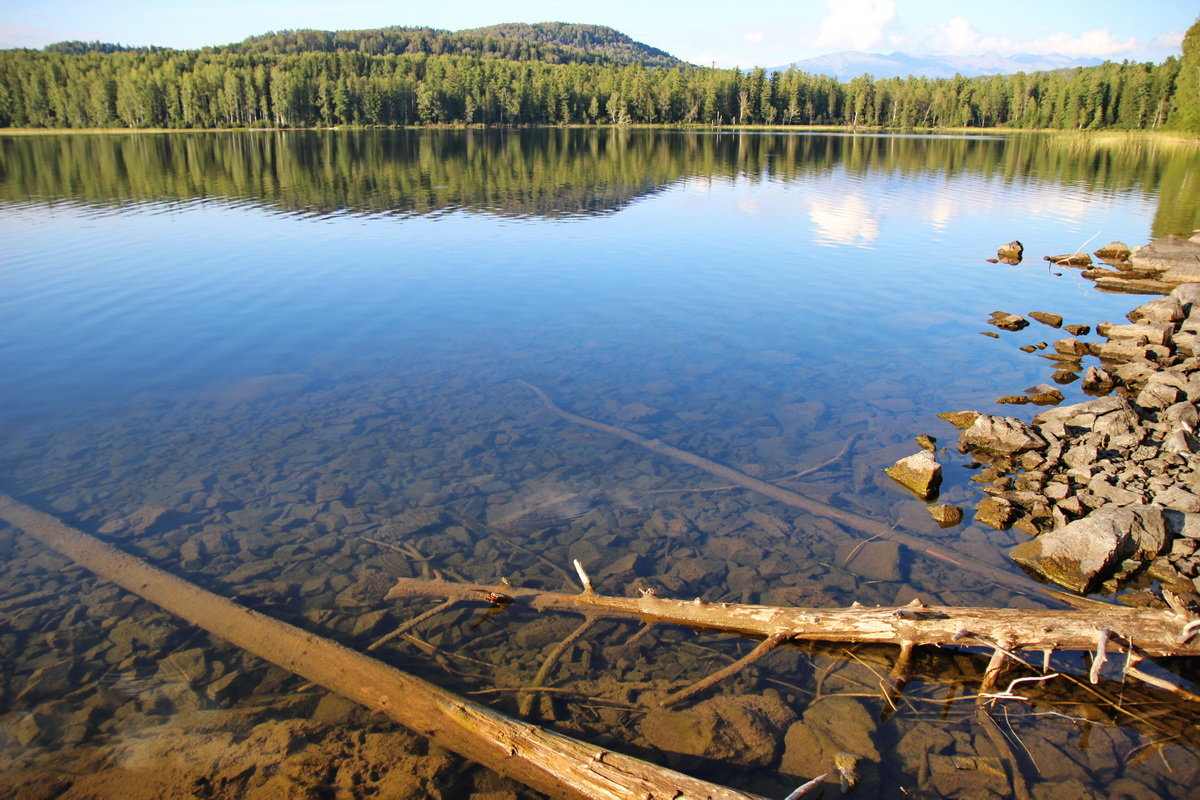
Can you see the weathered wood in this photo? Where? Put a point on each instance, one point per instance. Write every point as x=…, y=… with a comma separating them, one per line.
x=870, y=527
x=1151, y=632
x=550, y=762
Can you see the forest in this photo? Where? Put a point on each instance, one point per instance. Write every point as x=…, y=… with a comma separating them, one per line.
x=508, y=75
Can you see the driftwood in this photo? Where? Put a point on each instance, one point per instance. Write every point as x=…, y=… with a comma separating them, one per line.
x=1138, y=633
x=552, y=763
x=864, y=525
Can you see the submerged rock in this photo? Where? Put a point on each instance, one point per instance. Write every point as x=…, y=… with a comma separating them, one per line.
x=920, y=473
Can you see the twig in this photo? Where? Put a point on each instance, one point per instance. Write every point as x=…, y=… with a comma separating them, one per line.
x=525, y=705
x=760, y=650
x=412, y=623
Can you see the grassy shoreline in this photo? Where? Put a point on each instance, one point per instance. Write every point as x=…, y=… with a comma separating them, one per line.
x=1180, y=137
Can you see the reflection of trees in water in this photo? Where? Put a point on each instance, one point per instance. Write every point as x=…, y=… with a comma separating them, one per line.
x=547, y=172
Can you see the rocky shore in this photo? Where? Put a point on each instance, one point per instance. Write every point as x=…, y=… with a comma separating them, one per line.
x=1110, y=487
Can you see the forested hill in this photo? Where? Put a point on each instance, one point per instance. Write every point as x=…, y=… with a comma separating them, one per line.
x=319, y=83
x=551, y=42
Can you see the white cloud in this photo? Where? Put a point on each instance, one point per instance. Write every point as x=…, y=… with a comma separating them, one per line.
x=855, y=24
x=959, y=37
x=753, y=37
x=1172, y=40
x=848, y=220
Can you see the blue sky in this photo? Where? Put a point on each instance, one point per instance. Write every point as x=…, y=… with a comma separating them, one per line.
x=764, y=33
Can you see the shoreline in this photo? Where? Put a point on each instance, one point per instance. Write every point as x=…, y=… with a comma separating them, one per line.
x=1165, y=137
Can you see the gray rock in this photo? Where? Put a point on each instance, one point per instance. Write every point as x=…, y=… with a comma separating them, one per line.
x=1083, y=553
x=920, y=473
x=1000, y=436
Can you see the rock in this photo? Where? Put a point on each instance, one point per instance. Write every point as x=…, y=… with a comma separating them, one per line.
x=1064, y=376
x=1044, y=395
x=1172, y=259
x=743, y=730
x=960, y=419
x=1078, y=330
x=946, y=516
x=1097, y=380
x=1143, y=333
x=1046, y=318
x=927, y=442
x=995, y=512
x=1161, y=310
x=1188, y=294
x=832, y=726
x=875, y=561
x=920, y=473
x=1008, y=322
x=1082, y=554
x=1181, y=414
x=1000, y=436
x=1113, y=251
x=1013, y=249
x=1013, y=400
x=1070, y=260
x=1071, y=347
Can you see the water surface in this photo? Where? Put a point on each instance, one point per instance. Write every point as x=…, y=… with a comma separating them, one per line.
x=288, y=365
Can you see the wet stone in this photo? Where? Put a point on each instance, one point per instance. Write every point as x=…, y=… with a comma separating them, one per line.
x=946, y=516
x=919, y=473
x=995, y=512
x=1008, y=322
x=1046, y=318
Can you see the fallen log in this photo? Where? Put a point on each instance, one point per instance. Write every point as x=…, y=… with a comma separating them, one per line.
x=864, y=525
x=549, y=762
x=1153, y=632
x=1136, y=632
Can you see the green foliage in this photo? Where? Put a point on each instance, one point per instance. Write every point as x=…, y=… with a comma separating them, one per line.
x=1185, y=111
x=316, y=78
x=551, y=42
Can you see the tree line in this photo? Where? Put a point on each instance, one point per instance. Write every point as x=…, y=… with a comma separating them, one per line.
x=151, y=88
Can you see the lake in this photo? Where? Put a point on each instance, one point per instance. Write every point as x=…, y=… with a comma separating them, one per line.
x=292, y=366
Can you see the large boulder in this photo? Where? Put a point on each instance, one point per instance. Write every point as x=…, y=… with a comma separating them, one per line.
x=1004, y=436
x=1084, y=553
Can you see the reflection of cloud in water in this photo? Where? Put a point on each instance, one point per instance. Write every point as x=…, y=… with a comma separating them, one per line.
x=748, y=206
x=844, y=221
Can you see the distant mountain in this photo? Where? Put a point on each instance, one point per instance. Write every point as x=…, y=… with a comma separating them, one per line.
x=552, y=42
x=848, y=65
